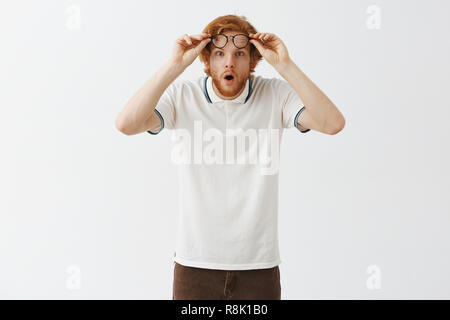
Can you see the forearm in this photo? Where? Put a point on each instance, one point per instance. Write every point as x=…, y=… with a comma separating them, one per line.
x=320, y=107
x=141, y=106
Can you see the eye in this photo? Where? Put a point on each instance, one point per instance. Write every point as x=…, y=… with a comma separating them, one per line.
x=240, y=53
x=218, y=53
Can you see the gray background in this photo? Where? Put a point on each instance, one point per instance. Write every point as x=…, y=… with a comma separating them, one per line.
x=76, y=194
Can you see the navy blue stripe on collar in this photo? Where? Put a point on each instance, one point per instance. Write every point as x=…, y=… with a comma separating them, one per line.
x=249, y=89
x=205, y=91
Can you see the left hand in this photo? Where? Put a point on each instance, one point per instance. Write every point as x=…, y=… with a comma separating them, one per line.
x=271, y=48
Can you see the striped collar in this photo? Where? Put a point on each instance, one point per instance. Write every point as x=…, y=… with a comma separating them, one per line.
x=212, y=97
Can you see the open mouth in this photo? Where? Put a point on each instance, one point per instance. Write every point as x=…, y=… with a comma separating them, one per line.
x=229, y=78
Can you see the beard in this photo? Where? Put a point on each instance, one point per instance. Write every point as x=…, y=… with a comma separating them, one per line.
x=230, y=90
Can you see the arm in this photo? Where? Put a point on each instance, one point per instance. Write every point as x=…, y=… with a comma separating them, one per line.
x=138, y=115
x=320, y=113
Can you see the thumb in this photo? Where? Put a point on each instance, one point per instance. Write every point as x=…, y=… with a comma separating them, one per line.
x=257, y=45
x=202, y=45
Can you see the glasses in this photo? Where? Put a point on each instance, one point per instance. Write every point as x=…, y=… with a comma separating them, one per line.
x=240, y=40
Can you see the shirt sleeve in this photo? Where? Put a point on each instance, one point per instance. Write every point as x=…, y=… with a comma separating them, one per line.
x=165, y=109
x=292, y=106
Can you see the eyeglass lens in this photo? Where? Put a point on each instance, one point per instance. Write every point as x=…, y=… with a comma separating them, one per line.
x=240, y=41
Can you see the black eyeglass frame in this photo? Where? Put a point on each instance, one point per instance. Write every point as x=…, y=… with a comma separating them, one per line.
x=232, y=37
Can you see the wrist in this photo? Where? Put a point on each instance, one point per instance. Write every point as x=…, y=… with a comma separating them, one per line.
x=284, y=66
x=174, y=67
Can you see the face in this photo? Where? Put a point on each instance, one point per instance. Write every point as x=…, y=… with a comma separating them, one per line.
x=229, y=60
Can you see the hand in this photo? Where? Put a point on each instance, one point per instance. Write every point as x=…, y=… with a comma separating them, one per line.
x=187, y=48
x=271, y=48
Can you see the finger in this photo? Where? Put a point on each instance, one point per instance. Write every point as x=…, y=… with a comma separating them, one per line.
x=187, y=39
x=182, y=37
x=258, y=45
x=202, y=45
x=261, y=37
x=258, y=36
x=199, y=36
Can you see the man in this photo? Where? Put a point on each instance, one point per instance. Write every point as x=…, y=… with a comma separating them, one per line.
x=227, y=241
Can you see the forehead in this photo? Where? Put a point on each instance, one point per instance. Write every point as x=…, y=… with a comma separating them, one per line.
x=231, y=33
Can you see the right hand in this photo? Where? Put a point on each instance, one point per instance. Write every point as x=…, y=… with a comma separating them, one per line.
x=187, y=48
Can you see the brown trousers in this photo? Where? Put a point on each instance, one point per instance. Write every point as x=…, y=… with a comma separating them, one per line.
x=191, y=283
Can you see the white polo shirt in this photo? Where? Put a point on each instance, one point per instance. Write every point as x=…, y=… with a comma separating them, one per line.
x=228, y=217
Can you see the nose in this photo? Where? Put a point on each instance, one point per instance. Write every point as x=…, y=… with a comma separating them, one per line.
x=229, y=61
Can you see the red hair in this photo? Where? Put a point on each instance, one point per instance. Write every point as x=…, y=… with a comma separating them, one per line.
x=229, y=23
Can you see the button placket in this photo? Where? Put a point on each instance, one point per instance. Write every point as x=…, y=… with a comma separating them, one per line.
x=228, y=114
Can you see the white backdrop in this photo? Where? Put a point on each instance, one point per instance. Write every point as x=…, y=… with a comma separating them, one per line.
x=88, y=212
